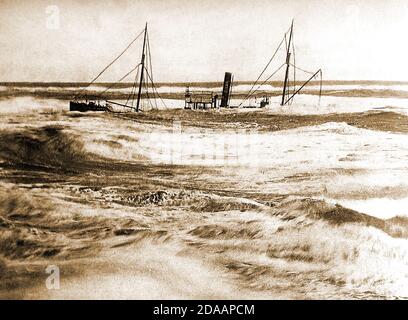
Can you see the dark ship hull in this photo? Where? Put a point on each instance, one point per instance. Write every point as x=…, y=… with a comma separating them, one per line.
x=86, y=106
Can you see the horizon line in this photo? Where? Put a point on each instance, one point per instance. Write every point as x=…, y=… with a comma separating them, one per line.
x=198, y=82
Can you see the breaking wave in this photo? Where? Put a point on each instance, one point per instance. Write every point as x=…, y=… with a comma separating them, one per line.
x=47, y=146
x=335, y=214
x=327, y=248
x=33, y=227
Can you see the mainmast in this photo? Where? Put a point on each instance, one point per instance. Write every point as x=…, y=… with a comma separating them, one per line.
x=285, y=84
x=141, y=73
x=287, y=96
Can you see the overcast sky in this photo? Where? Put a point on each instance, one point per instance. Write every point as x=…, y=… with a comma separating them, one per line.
x=69, y=40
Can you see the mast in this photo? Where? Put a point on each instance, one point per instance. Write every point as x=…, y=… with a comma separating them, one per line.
x=287, y=66
x=141, y=73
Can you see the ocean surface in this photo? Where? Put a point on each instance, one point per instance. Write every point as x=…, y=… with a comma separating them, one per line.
x=305, y=201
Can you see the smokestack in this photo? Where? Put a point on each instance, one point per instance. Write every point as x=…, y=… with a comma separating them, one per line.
x=226, y=89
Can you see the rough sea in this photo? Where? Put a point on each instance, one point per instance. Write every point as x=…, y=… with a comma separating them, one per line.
x=305, y=201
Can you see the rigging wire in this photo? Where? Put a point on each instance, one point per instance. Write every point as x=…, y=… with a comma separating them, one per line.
x=145, y=86
x=151, y=68
x=307, y=81
x=147, y=94
x=296, y=67
x=154, y=88
x=114, y=84
x=290, y=97
x=321, y=85
x=294, y=63
x=135, y=86
x=276, y=71
x=266, y=67
x=106, y=68
x=319, y=72
x=133, y=91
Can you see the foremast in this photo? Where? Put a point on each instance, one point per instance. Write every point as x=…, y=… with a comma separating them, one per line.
x=142, y=71
x=285, y=83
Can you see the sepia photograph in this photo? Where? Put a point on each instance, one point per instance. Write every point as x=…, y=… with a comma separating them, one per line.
x=203, y=150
